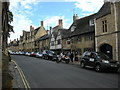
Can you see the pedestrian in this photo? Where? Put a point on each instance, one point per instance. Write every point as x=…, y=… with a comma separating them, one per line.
x=71, y=56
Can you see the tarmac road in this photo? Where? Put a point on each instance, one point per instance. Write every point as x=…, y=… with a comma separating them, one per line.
x=48, y=74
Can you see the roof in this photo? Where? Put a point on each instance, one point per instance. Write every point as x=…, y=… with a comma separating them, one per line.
x=65, y=33
x=56, y=30
x=43, y=37
x=36, y=30
x=105, y=10
x=82, y=26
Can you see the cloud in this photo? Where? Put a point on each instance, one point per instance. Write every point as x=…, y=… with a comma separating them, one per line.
x=89, y=5
x=53, y=21
x=21, y=9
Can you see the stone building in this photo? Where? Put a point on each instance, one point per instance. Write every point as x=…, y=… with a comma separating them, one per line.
x=14, y=45
x=43, y=43
x=56, y=38
x=40, y=32
x=107, y=30
x=80, y=36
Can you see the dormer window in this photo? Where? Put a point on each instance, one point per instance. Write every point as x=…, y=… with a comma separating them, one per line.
x=73, y=28
x=92, y=22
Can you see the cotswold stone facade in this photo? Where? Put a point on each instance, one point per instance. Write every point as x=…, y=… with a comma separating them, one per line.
x=107, y=33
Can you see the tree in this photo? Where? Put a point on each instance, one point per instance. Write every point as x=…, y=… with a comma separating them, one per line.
x=10, y=19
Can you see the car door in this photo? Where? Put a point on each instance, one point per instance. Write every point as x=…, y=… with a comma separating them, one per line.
x=92, y=59
x=86, y=58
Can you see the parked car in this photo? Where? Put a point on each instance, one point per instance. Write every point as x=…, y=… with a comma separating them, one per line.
x=98, y=61
x=27, y=53
x=17, y=53
x=12, y=53
x=39, y=54
x=48, y=54
x=21, y=53
x=32, y=54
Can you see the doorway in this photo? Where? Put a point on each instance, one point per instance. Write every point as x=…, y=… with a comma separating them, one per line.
x=106, y=49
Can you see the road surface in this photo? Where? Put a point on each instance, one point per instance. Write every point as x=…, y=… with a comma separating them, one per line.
x=48, y=74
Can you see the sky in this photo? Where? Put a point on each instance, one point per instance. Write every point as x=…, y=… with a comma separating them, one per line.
x=32, y=12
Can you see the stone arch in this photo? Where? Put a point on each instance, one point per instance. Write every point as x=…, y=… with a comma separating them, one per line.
x=106, y=49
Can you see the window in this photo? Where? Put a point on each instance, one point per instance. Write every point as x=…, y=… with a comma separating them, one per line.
x=73, y=28
x=104, y=26
x=59, y=41
x=89, y=38
x=52, y=43
x=92, y=23
x=79, y=39
x=68, y=41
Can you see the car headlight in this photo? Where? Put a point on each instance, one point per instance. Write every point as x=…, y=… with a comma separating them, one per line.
x=105, y=61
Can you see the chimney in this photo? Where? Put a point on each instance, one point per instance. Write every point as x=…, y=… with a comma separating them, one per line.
x=50, y=30
x=60, y=23
x=41, y=23
x=31, y=28
x=75, y=17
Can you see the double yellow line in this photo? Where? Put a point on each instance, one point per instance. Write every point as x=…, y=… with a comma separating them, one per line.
x=26, y=85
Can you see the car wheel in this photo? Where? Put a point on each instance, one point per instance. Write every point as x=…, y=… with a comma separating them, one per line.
x=82, y=64
x=98, y=68
x=47, y=58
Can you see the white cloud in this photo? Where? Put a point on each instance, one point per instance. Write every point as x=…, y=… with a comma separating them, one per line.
x=53, y=21
x=20, y=16
x=89, y=5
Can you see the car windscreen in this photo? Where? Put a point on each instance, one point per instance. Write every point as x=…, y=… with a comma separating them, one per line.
x=103, y=56
x=50, y=52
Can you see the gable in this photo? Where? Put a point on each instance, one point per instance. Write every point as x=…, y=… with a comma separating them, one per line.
x=41, y=32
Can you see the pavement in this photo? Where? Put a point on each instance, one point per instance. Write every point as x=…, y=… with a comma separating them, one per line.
x=75, y=63
x=17, y=81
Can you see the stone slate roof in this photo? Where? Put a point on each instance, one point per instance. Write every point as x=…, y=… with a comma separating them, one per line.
x=43, y=37
x=65, y=33
x=82, y=26
x=105, y=10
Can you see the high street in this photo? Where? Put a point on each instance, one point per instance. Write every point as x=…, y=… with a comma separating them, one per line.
x=42, y=73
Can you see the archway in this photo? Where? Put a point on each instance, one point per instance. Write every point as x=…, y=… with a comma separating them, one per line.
x=106, y=49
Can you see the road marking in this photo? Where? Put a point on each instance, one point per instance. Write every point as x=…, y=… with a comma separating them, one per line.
x=25, y=82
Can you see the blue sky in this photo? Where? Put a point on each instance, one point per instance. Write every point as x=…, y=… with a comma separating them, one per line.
x=31, y=12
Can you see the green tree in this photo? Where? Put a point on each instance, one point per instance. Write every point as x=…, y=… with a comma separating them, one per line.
x=10, y=19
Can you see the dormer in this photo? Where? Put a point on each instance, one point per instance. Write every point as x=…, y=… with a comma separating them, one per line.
x=91, y=22
x=73, y=28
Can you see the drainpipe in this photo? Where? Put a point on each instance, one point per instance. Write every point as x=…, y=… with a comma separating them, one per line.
x=116, y=29
x=96, y=44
